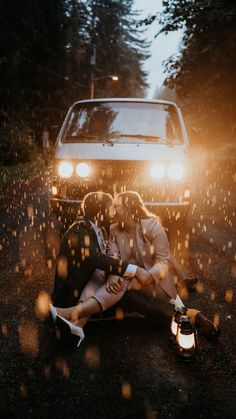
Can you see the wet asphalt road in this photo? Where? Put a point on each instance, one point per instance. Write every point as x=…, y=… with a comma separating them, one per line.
x=124, y=369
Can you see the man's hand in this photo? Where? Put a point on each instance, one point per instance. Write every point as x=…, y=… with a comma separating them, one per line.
x=114, y=284
x=134, y=285
x=144, y=277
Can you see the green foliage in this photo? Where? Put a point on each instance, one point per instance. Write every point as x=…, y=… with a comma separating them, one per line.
x=203, y=74
x=46, y=48
x=17, y=143
x=120, y=48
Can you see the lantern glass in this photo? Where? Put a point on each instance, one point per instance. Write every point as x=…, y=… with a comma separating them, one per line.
x=176, y=320
x=174, y=326
x=185, y=341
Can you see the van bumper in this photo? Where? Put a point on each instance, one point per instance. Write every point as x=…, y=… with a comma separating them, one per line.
x=71, y=208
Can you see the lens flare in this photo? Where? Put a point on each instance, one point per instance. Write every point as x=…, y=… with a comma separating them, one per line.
x=65, y=169
x=82, y=169
x=175, y=171
x=157, y=171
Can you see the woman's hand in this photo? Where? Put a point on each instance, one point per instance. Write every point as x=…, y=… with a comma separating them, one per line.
x=114, y=284
x=143, y=277
x=134, y=285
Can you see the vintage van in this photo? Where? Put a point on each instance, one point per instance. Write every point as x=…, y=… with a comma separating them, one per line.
x=122, y=144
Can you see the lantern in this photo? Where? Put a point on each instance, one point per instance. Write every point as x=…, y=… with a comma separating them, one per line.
x=186, y=338
x=179, y=311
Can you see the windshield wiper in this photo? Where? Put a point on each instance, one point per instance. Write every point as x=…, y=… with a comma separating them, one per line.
x=146, y=138
x=97, y=138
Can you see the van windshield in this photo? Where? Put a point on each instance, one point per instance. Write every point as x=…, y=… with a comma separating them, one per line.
x=123, y=122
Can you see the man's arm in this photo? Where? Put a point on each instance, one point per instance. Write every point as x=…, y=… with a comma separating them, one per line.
x=85, y=250
x=132, y=271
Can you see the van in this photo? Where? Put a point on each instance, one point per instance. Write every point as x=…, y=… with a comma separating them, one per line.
x=119, y=144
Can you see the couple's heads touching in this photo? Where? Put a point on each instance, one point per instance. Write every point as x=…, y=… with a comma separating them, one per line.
x=126, y=209
x=100, y=275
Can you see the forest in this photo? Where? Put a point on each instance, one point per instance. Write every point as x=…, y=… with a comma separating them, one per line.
x=50, y=50
x=203, y=73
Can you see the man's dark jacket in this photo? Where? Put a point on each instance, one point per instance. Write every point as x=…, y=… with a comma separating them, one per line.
x=79, y=255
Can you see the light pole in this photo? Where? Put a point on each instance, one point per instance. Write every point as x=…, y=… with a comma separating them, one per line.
x=93, y=79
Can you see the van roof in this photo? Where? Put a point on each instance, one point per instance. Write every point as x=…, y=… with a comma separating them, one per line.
x=126, y=99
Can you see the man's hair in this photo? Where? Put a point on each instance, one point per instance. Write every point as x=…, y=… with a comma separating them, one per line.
x=95, y=203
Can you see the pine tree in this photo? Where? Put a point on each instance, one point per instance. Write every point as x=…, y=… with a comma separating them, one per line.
x=203, y=74
x=119, y=47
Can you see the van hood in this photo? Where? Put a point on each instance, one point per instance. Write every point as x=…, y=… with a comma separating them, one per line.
x=97, y=151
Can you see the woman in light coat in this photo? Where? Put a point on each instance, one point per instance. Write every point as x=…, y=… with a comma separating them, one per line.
x=138, y=238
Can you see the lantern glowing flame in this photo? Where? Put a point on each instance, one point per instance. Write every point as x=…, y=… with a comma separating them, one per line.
x=186, y=341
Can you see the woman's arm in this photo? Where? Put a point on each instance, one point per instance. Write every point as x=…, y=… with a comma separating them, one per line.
x=159, y=247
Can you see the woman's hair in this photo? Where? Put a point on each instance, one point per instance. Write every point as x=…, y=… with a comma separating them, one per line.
x=134, y=205
x=95, y=203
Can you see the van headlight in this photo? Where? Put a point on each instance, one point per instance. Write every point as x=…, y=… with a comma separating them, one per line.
x=65, y=169
x=175, y=171
x=83, y=169
x=157, y=171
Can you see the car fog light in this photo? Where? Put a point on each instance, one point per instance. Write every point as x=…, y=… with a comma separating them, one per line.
x=175, y=171
x=157, y=171
x=82, y=169
x=65, y=169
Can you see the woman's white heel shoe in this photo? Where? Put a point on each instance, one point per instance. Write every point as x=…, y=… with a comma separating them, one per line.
x=53, y=312
x=66, y=327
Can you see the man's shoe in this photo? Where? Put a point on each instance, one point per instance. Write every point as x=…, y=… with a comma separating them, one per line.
x=206, y=327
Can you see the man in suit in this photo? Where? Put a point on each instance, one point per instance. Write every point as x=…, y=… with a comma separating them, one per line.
x=82, y=251
x=137, y=239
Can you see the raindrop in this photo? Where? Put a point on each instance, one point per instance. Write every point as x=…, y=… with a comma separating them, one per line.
x=92, y=357
x=62, y=266
x=62, y=366
x=126, y=390
x=42, y=304
x=4, y=329
x=229, y=295
x=216, y=319
x=119, y=314
x=212, y=295
x=28, y=338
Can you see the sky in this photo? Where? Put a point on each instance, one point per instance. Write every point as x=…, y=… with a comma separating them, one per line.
x=162, y=47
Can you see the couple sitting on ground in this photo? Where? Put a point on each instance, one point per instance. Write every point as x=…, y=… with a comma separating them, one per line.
x=134, y=268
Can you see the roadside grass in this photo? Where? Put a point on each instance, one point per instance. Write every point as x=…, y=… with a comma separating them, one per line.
x=22, y=171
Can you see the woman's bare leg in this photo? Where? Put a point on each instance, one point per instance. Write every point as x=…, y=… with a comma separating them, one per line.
x=95, y=282
x=101, y=300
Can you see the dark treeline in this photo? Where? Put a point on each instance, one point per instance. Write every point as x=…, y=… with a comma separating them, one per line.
x=48, y=52
x=203, y=75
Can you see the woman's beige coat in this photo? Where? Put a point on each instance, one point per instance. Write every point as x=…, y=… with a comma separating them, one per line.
x=153, y=248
